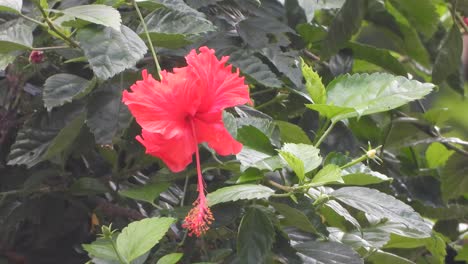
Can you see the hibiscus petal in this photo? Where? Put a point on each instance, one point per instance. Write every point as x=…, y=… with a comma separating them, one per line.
x=176, y=152
x=216, y=135
x=161, y=107
x=223, y=87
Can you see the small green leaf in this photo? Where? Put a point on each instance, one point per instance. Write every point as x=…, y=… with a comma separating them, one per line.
x=146, y=193
x=239, y=192
x=327, y=252
x=249, y=175
x=13, y=6
x=437, y=155
x=172, y=258
x=97, y=14
x=140, y=236
x=345, y=24
x=294, y=217
x=384, y=206
x=328, y=174
x=110, y=51
x=369, y=94
x=361, y=174
x=314, y=84
x=256, y=236
x=448, y=59
x=291, y=133
x=301, y=158
x=64, y=87
x=102, y=249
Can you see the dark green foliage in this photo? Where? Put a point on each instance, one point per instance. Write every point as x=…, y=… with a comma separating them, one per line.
x=351, y=154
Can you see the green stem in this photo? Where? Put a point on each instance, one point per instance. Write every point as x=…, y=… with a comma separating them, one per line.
x=355, y=161
x=33, y=20
x=325, y=134
x=272, y=101
x=145, y=28
x=461, y=21
x=114, y=246
x=70, y=41
x=51, y=48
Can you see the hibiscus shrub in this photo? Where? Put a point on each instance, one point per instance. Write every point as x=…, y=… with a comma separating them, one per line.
x=233, y=131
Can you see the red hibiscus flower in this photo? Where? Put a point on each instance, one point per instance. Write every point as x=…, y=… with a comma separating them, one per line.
x=184, y=109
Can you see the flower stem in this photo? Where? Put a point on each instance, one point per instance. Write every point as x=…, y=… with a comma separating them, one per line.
x=145, y=28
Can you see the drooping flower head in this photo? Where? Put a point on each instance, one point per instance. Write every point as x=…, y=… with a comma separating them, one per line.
x=184, y=109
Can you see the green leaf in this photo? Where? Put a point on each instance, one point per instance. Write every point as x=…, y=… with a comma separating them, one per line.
x=411, y=41
x=107, y=116
x=369, y=94
x=88, y=186
x=379, y=57
x=328, y=174
x=437, y=155
x=332, y=111
x=345, y=24
x=65, y=137
x=64, y=87
x=253, y=138
x=301, y=158
x=13, y=6
x=327, y=252
x=453, y=178
x=140, y=236
x=175, y=29
x=314, y=84
x=382, y=257
x=255, y=31
x=291, y=133
x=146, y=193
x=448, y=59
x=435, y=244
x=14, y=36
x=294, y=217
x=239, y=192
x=102, y=249
x=256, y=236
x=35, y=137
x=366, y=238
x=249, y=175
x=109, y=51
x=172, y=258
x=97, y=14
x=383, y=206
x=425, y=20
x=254, y=68
x=361, y=174
x=5, y=60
